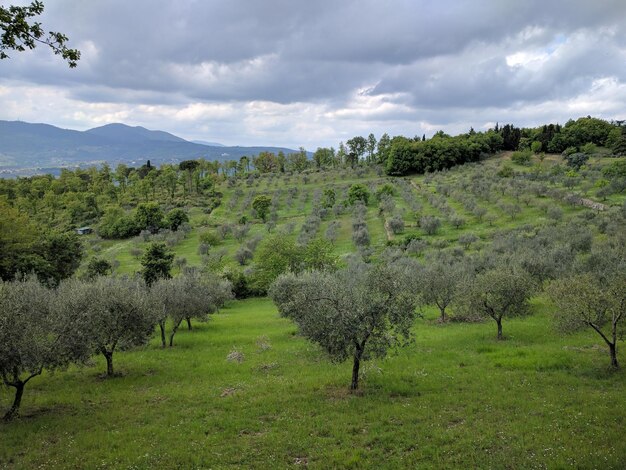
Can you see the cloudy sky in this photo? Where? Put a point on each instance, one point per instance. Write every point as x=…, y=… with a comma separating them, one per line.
x=312, y=73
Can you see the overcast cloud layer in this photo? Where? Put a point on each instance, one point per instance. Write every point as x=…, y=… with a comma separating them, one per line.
x=312, y=73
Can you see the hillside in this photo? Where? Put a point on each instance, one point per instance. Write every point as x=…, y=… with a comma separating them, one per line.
x=520, y=202
x=34, y=146
x=245, y=390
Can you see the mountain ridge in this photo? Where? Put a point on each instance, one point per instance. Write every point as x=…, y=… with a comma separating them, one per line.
x=25, y=145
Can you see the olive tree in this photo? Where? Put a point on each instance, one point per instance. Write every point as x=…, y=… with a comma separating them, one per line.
x=440, y=281
x=358, y=312
x=583, y=300
x=190, y=295
x=503, y=291
x=430, y=224
x=32, y=336
x=111, y=313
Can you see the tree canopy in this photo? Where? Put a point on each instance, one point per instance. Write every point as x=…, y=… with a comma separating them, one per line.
x=358, y=312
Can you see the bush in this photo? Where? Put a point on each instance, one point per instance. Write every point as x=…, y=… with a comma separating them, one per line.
x=536, y=146
x=361, y=237
x=430, y=224
x=175, y=218
x=569, y=151
x=358, y=192
x=589, y=148
x=210, y=239
x=505, y=172
x=396, y=224
x=555, y=213
x=385, y=190
x=576, y=160
x=522, y=157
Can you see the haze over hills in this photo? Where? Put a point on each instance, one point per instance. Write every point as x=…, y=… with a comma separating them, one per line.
x=27, y=148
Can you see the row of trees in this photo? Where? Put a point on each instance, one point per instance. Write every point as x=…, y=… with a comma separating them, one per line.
x=363, y=310
x=46, y=329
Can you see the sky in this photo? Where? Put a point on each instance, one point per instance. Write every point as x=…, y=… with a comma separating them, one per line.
x=313, y=73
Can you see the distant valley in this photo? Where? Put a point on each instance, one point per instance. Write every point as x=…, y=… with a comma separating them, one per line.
x=27, y=149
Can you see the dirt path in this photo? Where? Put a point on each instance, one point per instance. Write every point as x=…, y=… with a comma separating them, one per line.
x=387, y=230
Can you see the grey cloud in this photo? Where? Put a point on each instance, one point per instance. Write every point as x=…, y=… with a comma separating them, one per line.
x=440, y=60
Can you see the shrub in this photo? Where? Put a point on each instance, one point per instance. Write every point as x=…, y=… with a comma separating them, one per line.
x=576, y=160
x=396, y=224
x=522, y=157
x=210, y=238
x=555, y=213
x=430, y=224
x=361, y=237
x=505, y=172
x=358, y=192
x=385, y=190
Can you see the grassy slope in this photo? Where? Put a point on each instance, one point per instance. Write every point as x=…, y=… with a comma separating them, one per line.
x=455, y=398
x=340, y=181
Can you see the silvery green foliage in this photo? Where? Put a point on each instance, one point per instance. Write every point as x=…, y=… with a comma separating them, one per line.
x=467, y=239
x=441, y=280
x=396, y=224
x=243, y=255
x=190, y=295
x=112, y=313
x=33, y=335
x=359, y=312
x=430, y=224
x=503, y=291
x=332, y=231
x=594, y=297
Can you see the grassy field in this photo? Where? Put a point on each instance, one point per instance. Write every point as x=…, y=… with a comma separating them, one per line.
x=455, y=398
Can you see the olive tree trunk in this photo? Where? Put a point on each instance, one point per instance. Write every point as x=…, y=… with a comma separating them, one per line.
x=355, y=373
x=17, y=400
x=108, y=355
x=174, y=330
x=162, y=328
x=613, y=352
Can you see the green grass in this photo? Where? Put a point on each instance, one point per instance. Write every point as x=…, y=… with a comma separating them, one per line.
x=455, y=398
x=447, y=235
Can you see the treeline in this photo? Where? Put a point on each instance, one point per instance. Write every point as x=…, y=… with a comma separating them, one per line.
x=554, y=138
x=402, y=155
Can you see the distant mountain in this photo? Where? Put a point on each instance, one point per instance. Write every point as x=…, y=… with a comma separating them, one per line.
x=38, y=146
x=122, y=132
x=210, y=144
